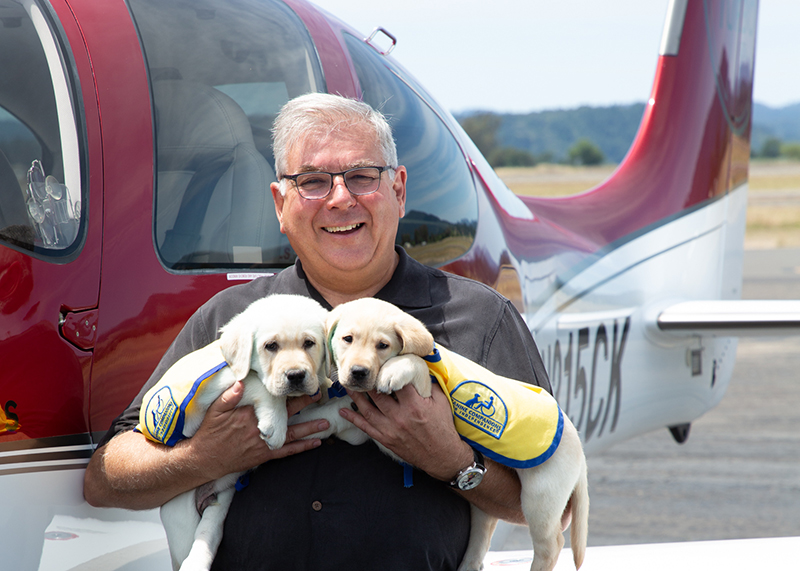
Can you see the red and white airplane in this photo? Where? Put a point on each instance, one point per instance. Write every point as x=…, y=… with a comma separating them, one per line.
x=134, y=165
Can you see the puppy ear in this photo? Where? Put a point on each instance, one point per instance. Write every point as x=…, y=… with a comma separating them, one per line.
x=331, y=322
x=324, y=369
x=414, y=336
x=236, y=343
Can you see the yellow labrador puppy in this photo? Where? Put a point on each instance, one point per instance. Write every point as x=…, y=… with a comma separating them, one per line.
x=375, y=345
x=277, y=348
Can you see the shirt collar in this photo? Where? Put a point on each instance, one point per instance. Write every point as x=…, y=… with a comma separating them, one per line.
x=408, y=287
x=410, y=284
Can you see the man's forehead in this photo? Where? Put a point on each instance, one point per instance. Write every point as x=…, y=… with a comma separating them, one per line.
x=341, y=148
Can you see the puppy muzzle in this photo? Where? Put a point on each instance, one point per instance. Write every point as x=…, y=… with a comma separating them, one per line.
x=296, y=380
x=359, y=377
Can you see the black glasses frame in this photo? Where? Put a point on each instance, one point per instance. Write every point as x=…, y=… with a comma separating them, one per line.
x=333, y=175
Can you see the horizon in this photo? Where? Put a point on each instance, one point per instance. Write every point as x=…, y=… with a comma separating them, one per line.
x=473, y=111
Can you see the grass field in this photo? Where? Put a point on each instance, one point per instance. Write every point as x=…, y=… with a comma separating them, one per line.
x=773, y=212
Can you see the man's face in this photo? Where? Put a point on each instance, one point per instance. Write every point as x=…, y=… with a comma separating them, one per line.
x=341, y=233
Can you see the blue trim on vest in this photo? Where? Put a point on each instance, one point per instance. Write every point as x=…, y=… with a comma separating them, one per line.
x=434, y=357
x=539, y=460
x=177, y=434
x=242, y=482
x=408, y=474
x=336, y=391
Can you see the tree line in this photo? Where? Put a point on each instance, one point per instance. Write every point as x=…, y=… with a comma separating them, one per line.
x=483, y=130
x=595, y=135
x=775, y=148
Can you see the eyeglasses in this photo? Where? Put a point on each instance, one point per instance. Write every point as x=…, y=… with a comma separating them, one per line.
x=318, y=185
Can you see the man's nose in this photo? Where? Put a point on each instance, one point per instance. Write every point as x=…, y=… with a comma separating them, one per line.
x=339, y=192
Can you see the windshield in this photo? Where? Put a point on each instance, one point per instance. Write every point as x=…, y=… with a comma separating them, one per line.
x=219, y=74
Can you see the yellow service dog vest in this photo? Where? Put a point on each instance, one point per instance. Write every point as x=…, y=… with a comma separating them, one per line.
x=166, y=404
x=511, y=422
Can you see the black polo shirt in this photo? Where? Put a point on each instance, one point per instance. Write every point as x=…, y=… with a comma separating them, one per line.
x=345, y=507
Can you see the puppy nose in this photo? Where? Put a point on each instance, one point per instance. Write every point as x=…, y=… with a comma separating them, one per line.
x=358, y=375
x=296, y=377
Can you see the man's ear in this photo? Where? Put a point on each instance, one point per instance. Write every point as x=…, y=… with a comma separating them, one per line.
x=414, y=336
x=278, y=199
x=236, y=343
x=399, y=187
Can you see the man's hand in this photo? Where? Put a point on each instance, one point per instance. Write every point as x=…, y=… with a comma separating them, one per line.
x=421, y=432
x=135, y=473
x=229, y=440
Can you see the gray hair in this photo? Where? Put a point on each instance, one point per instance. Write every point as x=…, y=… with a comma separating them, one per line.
x=323, y=112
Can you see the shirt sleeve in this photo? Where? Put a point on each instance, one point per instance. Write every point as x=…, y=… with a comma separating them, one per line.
x=512, y=352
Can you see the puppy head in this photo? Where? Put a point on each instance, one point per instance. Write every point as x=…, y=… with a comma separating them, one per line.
x=282, y=339
x=365, y=333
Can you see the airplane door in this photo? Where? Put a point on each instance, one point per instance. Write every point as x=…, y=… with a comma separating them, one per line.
x=50, y=238
x=49, y=230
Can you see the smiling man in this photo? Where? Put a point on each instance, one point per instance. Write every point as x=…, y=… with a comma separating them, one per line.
x=340, y=195
x=345, y=239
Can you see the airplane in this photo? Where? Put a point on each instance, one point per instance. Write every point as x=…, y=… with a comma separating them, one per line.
x=135, y=157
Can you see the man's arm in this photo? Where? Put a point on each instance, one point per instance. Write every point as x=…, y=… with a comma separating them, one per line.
x=135, y=473
x=421, y=431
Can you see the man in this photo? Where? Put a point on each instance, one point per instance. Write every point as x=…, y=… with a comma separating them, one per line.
x=313, y=505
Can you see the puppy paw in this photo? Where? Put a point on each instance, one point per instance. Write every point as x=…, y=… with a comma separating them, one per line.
x=401, y=371
x=198, y=560
x=274, y=438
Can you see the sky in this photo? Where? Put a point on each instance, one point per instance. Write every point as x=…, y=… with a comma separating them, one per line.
x=530, y=55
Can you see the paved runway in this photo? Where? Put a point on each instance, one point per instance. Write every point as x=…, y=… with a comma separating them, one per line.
x=738, y=475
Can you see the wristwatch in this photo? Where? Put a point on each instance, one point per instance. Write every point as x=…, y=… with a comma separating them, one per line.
x=471, y=476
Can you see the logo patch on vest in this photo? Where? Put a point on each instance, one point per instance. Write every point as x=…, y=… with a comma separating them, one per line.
x=478, y=405
x=160, y=414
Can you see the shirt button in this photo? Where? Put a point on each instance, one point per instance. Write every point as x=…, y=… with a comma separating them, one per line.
x=316, y=506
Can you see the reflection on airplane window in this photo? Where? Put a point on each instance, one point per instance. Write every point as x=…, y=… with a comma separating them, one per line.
x=40, y=179
x=219, y=76
x=441, y=205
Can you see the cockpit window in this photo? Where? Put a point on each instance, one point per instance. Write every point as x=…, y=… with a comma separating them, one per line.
x=219, y=74
x=441, y=201
x=40, y=171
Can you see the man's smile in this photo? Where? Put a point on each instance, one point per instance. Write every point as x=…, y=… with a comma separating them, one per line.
x=337, y=229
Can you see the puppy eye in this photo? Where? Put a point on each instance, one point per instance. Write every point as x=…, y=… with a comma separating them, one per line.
x=308, y=344
x=382, y=345
x=272, y=346
x=347, y=338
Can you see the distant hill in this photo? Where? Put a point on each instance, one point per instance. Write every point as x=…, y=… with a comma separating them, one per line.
x=610, y=128
x=782, y=123
x=550, y=134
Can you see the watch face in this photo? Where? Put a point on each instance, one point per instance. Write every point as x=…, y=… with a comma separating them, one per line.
x=470, y=479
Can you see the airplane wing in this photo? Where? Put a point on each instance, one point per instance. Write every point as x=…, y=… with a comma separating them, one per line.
x=731, y=318
x=728, y=555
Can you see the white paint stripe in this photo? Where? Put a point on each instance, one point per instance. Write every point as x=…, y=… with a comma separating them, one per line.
x=49, y=450
x=70, y=463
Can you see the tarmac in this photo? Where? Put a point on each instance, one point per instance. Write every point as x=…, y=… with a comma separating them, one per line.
x=737, y=476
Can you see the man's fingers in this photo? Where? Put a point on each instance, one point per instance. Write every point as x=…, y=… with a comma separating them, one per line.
x=228, y=400
x=407, y=394
x=295, y=447
x=365, y=415
x=360, y=422
x=296, y=404
x=304, y=429
x=364, y=405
